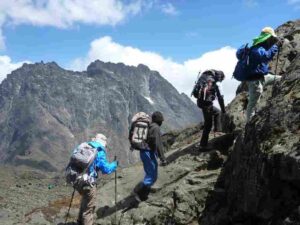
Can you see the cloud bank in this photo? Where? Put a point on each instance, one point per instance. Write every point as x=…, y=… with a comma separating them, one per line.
x=66, y=13
x=7, y=66
x=181, y=75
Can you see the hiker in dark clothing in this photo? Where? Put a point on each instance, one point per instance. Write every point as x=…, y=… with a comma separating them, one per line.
x=206, y=91
x=148, y=157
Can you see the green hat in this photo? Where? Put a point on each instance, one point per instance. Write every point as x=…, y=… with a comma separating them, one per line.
x=266, y=33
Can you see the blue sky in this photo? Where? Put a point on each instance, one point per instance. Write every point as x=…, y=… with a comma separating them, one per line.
x=177, y=33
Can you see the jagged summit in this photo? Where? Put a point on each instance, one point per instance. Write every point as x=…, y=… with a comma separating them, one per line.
x=99, y=66
x=46, y=110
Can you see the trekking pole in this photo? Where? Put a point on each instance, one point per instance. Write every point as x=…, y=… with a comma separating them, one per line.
x=276, y=67
x=70, y=206
x=277, y=61
x=116, y=192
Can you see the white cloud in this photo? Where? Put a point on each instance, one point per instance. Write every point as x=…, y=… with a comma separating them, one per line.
x=2, y=39
x=169, y=9
x=66, y=13
x=181, y=75
x=7, y=66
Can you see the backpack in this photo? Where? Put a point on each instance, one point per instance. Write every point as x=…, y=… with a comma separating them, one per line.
x=76, y=172
x=204, y=89
x=139, y=129
x=241, y=71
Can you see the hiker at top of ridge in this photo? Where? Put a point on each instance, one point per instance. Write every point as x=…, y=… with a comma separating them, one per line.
x=253, y=68
x=206, y=91
x=85, y=181
x=148, y=157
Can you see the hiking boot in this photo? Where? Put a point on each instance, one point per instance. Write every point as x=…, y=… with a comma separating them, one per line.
x=205, y=148
x=141, y=192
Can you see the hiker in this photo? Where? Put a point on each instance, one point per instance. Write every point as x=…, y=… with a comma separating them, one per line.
x=254, y=68
x=206, y=91
x=149, y=158
x=88, y=191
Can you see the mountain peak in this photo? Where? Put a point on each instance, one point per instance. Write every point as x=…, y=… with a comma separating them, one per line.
x=50, y=109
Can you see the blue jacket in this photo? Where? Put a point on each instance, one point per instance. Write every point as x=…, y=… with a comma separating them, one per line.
x=100, y=163
x=259, y=59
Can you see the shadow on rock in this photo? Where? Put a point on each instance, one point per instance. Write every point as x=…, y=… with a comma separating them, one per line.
x=221, y=143
x=126, y=204
x=69, y=223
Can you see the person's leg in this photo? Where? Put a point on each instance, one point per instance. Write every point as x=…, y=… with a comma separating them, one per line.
x=270, y=79
x=88, y=205
x=81, y=209
x=150, y=167
x=155, y=166
x=149, y=164
x=255, y=89
x=207, y=113
x=216, y=114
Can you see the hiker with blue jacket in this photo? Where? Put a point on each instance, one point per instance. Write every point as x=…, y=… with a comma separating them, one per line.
x=254, y=68
x=88, y=191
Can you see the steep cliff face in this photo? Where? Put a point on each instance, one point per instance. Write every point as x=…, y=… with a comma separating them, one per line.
x=283, y=63
x=46, y=110
x=261, y=179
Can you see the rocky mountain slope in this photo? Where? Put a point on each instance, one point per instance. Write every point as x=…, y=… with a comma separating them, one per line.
x=45, y=111
x=178, y=197
x=250, y=177
x=260, y=181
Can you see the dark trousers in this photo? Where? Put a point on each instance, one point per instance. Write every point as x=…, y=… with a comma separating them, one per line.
x=211, y=114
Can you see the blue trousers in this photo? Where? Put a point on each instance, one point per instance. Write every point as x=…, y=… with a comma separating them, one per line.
x=150, y=167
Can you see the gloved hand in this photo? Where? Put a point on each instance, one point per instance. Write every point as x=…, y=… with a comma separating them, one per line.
x=163, y=162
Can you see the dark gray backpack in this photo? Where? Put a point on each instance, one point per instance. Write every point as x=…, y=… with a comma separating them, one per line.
x=82, y=158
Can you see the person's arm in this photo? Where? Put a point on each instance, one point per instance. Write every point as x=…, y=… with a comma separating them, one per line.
x=103, y=165
x=158, y=144
x=220, y=99
x=267, y=55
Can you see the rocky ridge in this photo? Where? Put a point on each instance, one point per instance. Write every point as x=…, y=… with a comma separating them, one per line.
x=260, y=181
x=45, y=111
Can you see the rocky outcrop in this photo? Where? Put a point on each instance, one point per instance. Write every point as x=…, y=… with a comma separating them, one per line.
x=178, y=197
x=260, y=182
x=45, y=111
x=282, y=64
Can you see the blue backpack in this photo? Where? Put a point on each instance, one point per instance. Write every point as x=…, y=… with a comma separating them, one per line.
x=241, y=71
